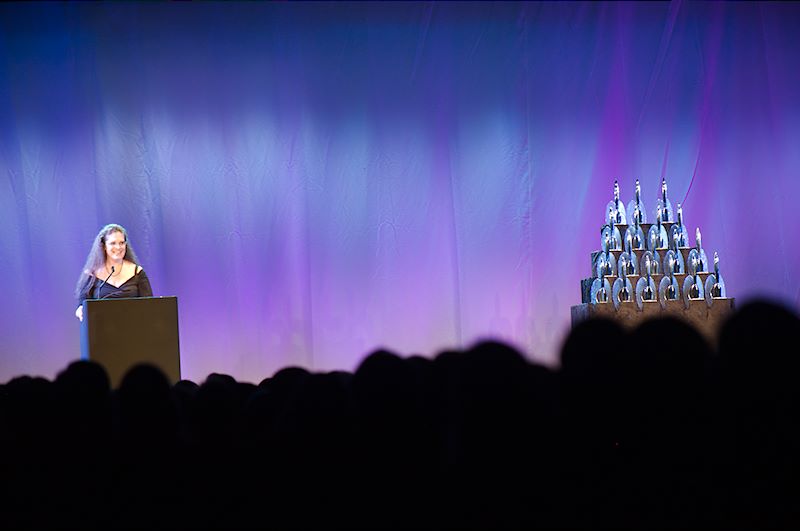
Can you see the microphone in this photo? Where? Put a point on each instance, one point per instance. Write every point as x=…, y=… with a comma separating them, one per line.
x=104, y=283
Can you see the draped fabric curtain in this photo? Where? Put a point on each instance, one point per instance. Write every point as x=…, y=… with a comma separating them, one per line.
x=315, y=181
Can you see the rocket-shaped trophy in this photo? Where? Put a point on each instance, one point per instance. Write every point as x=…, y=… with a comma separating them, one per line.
x=668, y=289
x=639, y=216
x=657, y=237
x=715, y=285
x=663, y=205
x=615, y=209
x=698, y=263
x=646, y=286
x=679, y=237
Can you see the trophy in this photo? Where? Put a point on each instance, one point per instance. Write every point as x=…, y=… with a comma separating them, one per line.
x=635, y=235
x=610, y=239
x=692, y=289
x=655, y=262
x=605, y=239
x=678, y=235
x=606, y=265
x=615, y=208
x=673, y=263
x=715, y=285
x=631, y=261
x=621, y=291
x=698, y=263
x=646, y=286
x=601, y=290
x=668, y=289
x=663, y=204
x=657, y=235
x=639, y=216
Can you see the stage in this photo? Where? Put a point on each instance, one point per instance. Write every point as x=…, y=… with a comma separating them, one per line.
x=314, y=181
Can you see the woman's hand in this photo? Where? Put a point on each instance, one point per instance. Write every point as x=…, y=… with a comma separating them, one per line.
x=79, y=313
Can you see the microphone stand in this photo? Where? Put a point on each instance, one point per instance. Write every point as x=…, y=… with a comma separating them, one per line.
x=103, y=283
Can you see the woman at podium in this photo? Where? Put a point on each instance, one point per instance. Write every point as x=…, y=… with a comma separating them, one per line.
x=112, y=270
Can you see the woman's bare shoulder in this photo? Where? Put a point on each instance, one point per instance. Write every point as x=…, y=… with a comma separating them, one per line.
x=136, y=267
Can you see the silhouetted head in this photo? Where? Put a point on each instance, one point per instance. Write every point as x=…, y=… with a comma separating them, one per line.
x=761, y=334
x=146, y=381
x=384, y=385
x=29, y=409
x=493, y=362
x=669, y=379
x=490, y=381
x=758, y=350
x=423, y=369
x=285, y=382
x=446, y=359
x=85, y=380
x=183, y=394
x=84, y=399
x=317, y=413
x=144, y=400
x=590, y=350
x=592, y=378
x=187, y=387
x=671, y=351
x=224, y=379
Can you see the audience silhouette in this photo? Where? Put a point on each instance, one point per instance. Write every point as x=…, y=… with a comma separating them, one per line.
x=643, y=428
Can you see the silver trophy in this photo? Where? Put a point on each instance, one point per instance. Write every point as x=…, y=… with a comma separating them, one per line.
x=715, y=285
x=605, y=238
x=697, y=262
x=692, y=289
x=655, y=262
x=615, y=209
x=668, y=289
x=646, y=286
x=622, y=289
x=610, y=239
x=635, y=235
x=630, y=260
x=633, y=264
x=678, y=236
x=673, y=263
x=637, y=207
x=657, y=237
x=606, y=265
x=601, y=291
x=663, y=205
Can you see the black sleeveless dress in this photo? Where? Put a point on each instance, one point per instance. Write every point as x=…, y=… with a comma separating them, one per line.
x=136, y=286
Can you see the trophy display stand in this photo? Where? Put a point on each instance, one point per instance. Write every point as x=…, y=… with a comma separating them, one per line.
x=686, y=287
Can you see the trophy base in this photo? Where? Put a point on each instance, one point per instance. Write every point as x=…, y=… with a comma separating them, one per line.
x=707, y=321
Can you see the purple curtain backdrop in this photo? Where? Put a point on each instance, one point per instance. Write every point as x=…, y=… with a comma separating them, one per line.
x=313, y=181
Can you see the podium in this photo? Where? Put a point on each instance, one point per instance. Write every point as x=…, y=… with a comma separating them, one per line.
x=121, y=333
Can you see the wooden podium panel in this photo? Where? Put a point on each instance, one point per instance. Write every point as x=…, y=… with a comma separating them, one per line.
x=121, y=333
